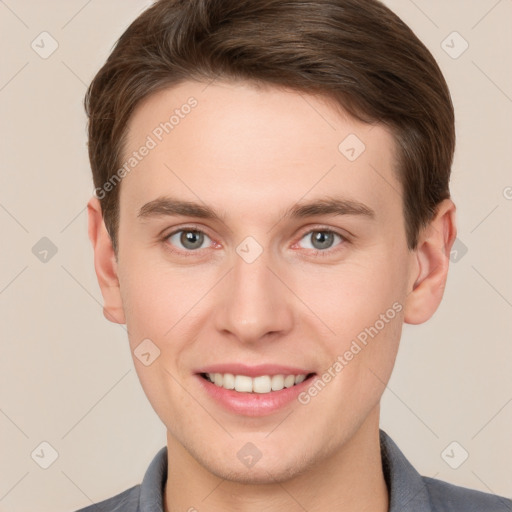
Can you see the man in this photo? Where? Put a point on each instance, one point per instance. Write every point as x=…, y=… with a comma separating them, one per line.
x=271, y=205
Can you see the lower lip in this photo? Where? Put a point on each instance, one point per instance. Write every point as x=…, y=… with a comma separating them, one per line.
x=253, y=404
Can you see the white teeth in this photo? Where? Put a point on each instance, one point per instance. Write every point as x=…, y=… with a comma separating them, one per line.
x=243, y=383
x=277, y=382
x=289, y=381
x=228, y=381
x=261, y=384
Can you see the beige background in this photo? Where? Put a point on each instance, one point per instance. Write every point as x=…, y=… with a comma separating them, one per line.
x=66, y=374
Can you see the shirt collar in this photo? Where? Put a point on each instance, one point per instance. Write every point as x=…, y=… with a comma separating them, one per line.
x=153, y=484
x=407, y=491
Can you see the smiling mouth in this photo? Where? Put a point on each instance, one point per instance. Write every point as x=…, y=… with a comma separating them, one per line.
x=261, y=384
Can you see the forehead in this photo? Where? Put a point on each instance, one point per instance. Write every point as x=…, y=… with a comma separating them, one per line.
x=240, y=144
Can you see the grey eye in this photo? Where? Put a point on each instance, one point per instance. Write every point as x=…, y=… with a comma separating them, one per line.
x=188, y=239
x=321, y=239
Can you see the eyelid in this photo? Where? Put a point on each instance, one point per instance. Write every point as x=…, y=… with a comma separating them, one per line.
x=324, y=229
x=189, y=227
x=328, y=229
x=167, y=232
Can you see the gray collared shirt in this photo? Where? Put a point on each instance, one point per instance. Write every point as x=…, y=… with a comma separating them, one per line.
x=408, y=490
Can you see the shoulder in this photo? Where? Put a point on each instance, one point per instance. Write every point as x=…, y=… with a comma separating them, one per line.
x=411, y=492
x=126, y=501
x=145, y=496
x=447, y=497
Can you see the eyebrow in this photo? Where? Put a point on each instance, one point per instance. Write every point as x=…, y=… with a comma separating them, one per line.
x=167, y=206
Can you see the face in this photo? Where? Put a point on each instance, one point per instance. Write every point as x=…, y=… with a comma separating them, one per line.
x=259, y=240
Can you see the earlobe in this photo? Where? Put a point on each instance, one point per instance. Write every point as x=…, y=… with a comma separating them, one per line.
x=105, y=263
x=432, y=262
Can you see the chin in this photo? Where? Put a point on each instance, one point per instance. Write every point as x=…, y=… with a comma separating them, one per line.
x=269, y=469
x=257, y=475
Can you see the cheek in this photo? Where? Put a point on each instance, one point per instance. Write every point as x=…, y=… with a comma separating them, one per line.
x=351, y=296
x=156, y=295
x=157, y=305
x=362, y=306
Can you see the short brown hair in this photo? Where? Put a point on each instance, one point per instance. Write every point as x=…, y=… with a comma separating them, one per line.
x=355, y=52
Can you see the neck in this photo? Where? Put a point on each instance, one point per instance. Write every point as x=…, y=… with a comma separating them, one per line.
x=350, y=478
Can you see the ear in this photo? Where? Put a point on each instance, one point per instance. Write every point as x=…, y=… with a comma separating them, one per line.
x=432, y=259
x=105, y=263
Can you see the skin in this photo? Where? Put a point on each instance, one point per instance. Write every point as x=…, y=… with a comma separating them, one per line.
x=250, y=153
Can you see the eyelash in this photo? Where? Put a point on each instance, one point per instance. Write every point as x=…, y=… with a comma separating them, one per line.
x=315, y=252
x=326, y=252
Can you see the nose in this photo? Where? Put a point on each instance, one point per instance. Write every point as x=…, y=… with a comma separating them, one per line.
x=254, y=303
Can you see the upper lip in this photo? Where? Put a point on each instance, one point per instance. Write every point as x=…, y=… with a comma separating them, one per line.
x=254, y=371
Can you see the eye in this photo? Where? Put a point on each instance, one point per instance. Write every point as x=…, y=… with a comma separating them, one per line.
x=321, y=239
x=189, y=239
